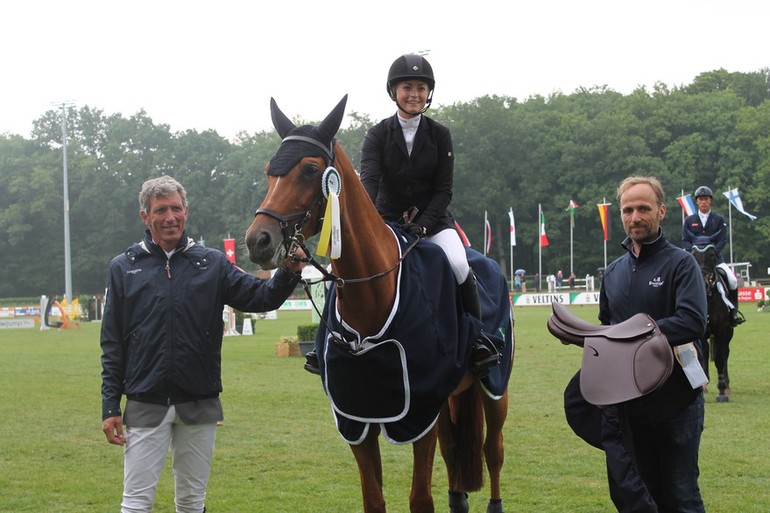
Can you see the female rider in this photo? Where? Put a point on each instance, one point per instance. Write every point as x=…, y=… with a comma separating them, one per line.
x=407, y=168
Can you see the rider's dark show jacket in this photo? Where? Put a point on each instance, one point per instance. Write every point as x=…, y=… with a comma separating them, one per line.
x=396, y=180
x=715, y=230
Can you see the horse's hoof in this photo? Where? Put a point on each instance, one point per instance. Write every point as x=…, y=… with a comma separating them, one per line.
x=458, y=502
x=495, y=506
x=721, y=398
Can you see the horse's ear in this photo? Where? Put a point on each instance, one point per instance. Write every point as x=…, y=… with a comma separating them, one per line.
x=329, y=126
x=281, y=123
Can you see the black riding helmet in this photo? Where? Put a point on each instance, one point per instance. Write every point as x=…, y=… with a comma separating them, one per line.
x=703, y=191
x=410, y=67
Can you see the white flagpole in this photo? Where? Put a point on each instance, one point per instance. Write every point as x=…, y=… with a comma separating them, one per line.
x=510, y=243
x=539, y=248
x=485, y=233
x=730, y=226
x=571, y=223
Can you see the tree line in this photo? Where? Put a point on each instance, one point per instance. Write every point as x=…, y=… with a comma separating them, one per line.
x=510, y=154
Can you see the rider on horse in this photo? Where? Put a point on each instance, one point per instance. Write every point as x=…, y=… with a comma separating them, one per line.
x=407, y=165
x=710, y=226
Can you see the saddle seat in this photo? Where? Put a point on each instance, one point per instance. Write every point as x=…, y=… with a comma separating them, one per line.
x=571, y=329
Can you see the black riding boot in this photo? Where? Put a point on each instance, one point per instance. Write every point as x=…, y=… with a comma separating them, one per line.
x=736, y=317
x=485, y=354
x=311, y=362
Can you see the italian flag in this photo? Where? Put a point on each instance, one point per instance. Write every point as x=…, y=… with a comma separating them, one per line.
x=543, y=236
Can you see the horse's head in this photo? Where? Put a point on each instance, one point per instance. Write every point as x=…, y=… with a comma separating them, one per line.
x=705, y=254
x=294, y=204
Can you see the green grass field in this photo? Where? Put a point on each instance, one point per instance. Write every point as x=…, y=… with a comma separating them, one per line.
x=279, y=451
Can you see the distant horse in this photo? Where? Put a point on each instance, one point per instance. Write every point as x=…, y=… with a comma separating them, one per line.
x=394, y=345
x=719, y=330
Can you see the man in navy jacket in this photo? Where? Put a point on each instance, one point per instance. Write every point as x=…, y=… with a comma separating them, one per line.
x=161, y=343
x=661, y=430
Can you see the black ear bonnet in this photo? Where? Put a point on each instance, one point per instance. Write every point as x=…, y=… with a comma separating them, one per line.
x=303, y=141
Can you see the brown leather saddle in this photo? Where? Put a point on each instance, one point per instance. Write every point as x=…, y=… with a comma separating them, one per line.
x=620, y=361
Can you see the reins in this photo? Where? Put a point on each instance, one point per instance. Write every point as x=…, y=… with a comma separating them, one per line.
x=298, y=241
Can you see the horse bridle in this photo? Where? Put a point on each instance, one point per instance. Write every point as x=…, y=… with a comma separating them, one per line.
x=294, y=240
x=709, y=277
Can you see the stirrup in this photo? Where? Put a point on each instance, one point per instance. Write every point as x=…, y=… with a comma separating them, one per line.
x=311, y=363
x=485, y=356
x=737, y=319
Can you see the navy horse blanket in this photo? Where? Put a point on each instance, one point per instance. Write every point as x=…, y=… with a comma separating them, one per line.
x=401, y=377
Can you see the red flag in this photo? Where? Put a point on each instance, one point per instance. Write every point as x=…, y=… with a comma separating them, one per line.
x=230, y=249
x=604, y=216
x=543, y=236
x=463, y=237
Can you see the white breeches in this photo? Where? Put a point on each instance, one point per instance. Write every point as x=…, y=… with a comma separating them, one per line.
x=455, y=251
x=732, y=281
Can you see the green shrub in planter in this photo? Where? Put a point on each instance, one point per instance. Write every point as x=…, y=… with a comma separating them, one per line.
x=307, y=331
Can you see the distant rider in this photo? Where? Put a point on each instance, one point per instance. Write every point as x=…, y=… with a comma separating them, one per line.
x=707, y=224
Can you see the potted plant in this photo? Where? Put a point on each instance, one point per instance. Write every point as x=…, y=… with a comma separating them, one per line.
x=287, y=346
x=761, y=306
x=306, y=336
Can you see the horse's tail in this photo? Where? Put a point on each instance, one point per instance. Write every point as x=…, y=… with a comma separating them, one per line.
x=467, y=413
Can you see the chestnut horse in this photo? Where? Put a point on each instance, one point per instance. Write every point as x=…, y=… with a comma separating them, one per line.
x=311, y=181
x=719, y=331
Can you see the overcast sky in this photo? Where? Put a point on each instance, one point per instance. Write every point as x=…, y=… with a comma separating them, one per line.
x=215, y=64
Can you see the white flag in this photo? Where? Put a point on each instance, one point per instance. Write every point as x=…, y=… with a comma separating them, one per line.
x=513, y=228
x=735, y=199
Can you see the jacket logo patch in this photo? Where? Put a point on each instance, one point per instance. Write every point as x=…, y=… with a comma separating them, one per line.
x=134, y=271
x=656, y=282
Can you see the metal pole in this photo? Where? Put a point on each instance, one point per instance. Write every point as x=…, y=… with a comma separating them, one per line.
x=730, y=222
x=67, y=252
x=605, y=254
x=485, y=233
x=539, y=248
x=571, y=223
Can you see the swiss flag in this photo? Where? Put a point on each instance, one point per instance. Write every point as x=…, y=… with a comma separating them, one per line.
x=230, y=249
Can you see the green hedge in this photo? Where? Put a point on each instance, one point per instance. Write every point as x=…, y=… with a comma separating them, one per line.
x=306, y=332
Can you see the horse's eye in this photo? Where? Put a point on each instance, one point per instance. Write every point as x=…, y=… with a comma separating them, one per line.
x=310, y=170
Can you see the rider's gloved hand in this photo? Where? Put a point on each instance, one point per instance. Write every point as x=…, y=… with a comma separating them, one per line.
x=414, y=229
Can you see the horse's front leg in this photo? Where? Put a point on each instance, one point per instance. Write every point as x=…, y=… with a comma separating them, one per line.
x=423, y=450
x=721, y=346
x=369, y=461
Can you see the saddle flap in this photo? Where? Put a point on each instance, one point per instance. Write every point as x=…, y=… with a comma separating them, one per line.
x=615, y=371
